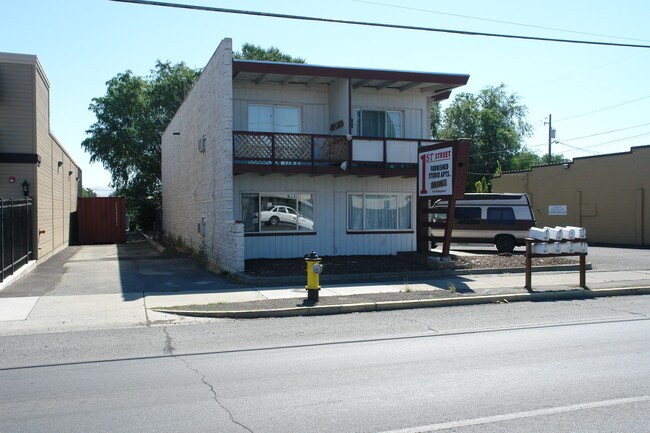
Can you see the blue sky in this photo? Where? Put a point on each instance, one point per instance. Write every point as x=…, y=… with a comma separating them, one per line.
x=589, y=90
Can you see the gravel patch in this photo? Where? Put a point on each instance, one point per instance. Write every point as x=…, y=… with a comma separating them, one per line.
x=350, y=265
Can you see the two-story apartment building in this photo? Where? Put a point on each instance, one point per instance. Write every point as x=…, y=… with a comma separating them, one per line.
x=273, y=160
x=31, y=157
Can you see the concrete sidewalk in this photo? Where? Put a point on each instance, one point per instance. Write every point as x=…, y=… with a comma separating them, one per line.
x=127, y=285
x=38, y=314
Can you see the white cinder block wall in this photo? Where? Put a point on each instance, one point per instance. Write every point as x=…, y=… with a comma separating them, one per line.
x=198, y=186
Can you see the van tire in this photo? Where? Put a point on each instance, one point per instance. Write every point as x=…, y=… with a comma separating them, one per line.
x=505, y=243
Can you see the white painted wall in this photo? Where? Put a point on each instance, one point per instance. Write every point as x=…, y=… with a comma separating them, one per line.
x=412, y=103
x=338, y=105
x=330, y=216
x=197, y=186
x=313, y=103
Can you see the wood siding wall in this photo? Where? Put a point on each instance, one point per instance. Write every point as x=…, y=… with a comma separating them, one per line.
x=330, y=216
x=16, y=124
x=315, y=105
x=25, y=128
x=17, y=108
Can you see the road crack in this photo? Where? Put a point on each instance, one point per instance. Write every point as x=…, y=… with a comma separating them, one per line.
x=625, y=311
x=169, y=350
x=429, y=328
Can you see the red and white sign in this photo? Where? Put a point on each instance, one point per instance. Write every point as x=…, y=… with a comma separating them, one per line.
x=436, y=173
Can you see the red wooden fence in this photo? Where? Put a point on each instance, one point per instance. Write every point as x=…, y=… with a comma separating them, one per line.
x=101, y=220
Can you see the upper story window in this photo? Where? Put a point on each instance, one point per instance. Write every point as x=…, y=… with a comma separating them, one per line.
x=375, y=123
x=273, y=118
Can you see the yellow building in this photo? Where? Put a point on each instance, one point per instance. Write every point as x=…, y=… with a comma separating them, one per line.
x=606, y=194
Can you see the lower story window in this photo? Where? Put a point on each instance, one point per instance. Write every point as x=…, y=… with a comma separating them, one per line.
x=277, y=212
x=379, y=212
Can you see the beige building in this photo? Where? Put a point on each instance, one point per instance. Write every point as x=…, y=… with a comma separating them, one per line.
x=606, y=194
x=29, y=152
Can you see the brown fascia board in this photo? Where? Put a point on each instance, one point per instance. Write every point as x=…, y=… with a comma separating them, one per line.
x=335, y=72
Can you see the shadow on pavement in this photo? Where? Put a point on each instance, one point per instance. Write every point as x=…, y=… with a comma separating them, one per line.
x=144, y=270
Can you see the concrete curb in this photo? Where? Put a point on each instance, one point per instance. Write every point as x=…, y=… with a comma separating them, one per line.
x=20, y=272
x=153, y=243
x=317, y=310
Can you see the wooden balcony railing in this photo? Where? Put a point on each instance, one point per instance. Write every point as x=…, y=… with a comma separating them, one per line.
x=269, y=152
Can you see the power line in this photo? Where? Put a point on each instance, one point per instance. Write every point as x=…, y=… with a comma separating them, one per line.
x=496, y=21
x=607, y=132
x=374, y=24
x=593, y=152
x=609, y=142
x=603, y=109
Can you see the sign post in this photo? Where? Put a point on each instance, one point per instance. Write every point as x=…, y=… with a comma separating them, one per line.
x=442, y=173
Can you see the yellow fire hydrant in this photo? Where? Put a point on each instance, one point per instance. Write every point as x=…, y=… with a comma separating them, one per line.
x=314, y=268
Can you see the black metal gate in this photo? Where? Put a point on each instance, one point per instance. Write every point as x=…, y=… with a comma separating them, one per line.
x=16, y=240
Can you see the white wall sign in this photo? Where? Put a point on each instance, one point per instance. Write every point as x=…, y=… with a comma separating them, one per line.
x=435, y=168
x=557, y=209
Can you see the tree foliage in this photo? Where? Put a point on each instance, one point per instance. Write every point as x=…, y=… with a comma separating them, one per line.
x=526, y=159
x=496, y=123
x=130, y=120
x=88, y=193
x=272, y=54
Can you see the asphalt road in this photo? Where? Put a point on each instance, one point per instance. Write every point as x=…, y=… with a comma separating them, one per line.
x=565, y=366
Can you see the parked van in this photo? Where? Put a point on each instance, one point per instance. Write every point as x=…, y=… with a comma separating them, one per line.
x=501, y=219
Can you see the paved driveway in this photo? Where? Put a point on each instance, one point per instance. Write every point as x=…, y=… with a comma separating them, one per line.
x=129, y=269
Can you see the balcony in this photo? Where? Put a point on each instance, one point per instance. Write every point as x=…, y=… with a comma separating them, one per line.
x=267, y=152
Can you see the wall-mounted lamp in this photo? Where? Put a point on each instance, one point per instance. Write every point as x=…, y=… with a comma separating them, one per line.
x=70, y=173
x=25, y=185
x=60, y=163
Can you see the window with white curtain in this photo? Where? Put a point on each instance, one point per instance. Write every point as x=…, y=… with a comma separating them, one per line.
x=380, y=212
x=377, y=123
x=273, y=118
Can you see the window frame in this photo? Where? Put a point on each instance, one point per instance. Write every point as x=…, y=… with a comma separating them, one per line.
x=291, y=232
x=298, y=108
x=396, y=230
x=358, y=122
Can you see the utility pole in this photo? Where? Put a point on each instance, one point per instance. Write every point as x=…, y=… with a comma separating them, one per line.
x=551, y=136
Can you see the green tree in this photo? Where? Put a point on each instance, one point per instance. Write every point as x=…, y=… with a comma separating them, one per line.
x=526, y=159
x=126, y=136
x=88, y=193
x=272, y=54
x=435, y=113
x=496, y=123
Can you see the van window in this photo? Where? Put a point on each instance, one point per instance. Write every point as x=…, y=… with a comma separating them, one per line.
x=468, y=215
x=500, y=215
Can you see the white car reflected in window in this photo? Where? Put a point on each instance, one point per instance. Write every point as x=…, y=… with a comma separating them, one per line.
x=286, y=216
